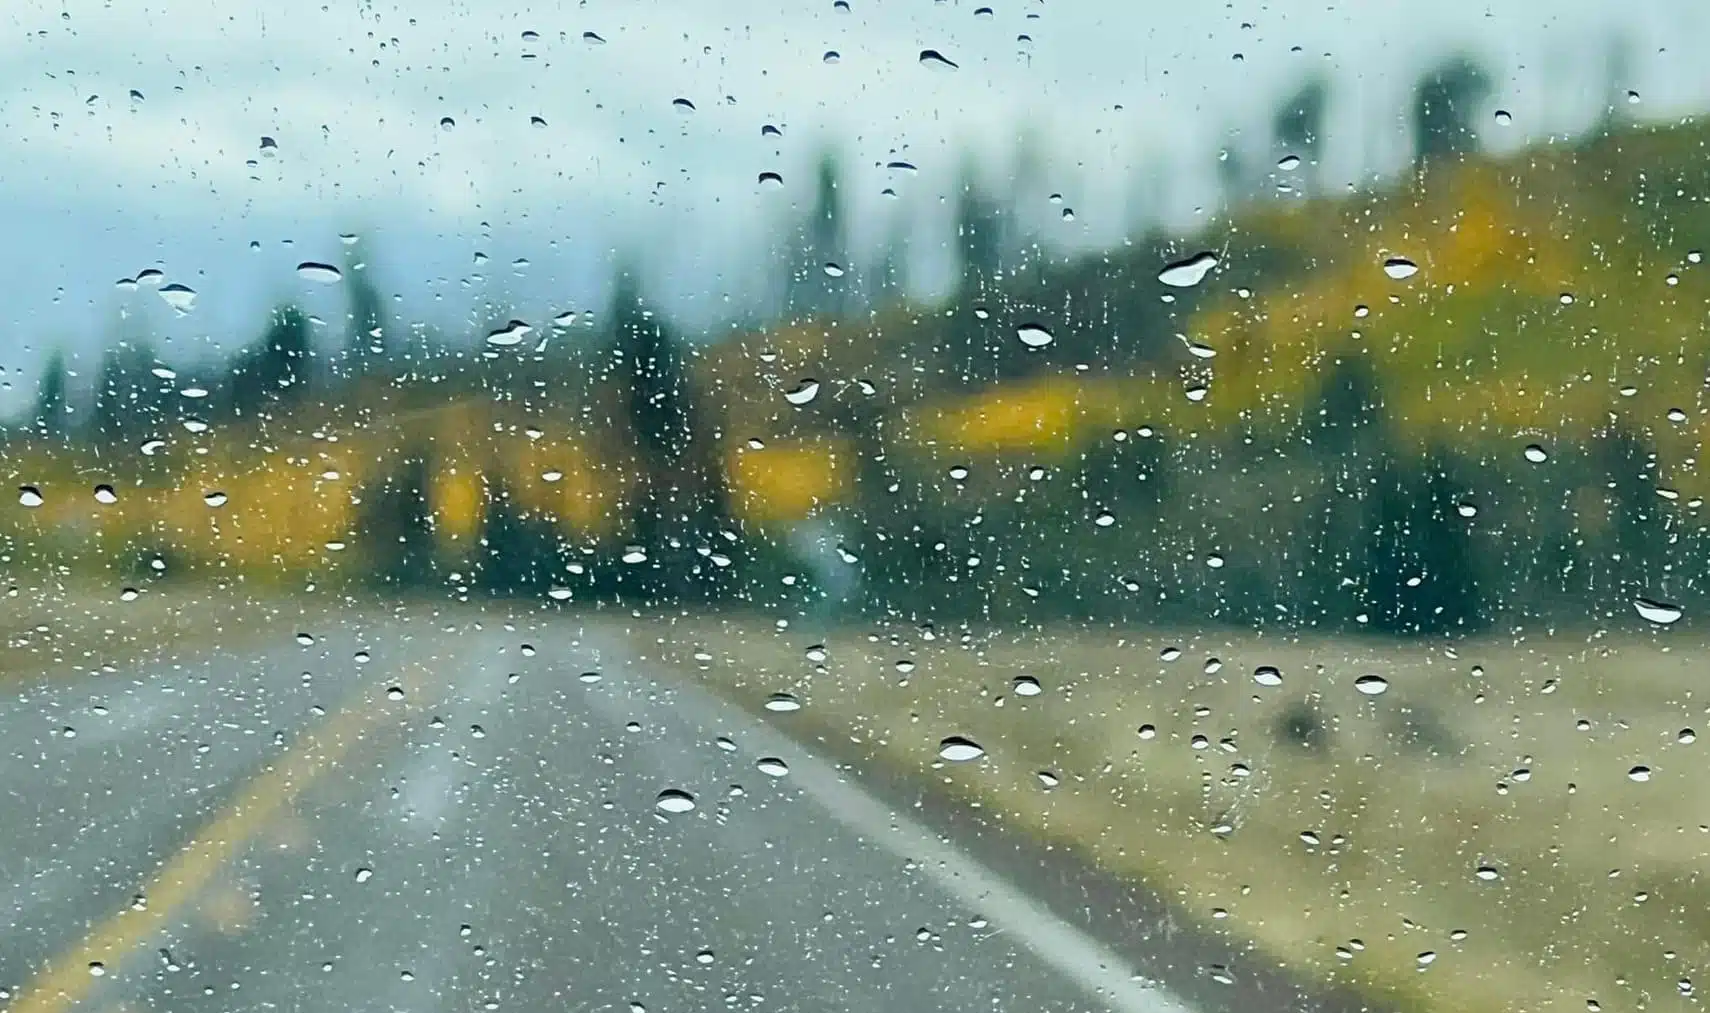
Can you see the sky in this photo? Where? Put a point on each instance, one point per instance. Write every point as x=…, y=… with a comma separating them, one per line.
x=505, y=154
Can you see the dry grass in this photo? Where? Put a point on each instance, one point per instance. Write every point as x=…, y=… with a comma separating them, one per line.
x=57, y=630
x=1599, y=894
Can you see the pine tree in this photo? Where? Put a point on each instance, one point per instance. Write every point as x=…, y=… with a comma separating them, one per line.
x=274, y=372
x=1444, y=103
x=397, y=526
x=51, y=416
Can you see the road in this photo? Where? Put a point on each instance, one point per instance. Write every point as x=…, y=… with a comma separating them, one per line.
x=415, y=813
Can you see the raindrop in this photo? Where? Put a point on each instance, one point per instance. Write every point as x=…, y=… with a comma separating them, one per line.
x=831, y=56
x=180, y=297
x=150, y=276
x=1034, y=335
x=1536, y=454
x=958, y=749
x=97, y=969
x=1686, y=737
x=306, y=639
x=1676, y=415
x=1147, y=732
x=29, y=496
x=1169, y=654
x=395, y=693
x=782, y=703
x=959, y=473
x=802, y=393
x=932, y=59
x=1104, y=519
x=364, y=874
x=152, y=447
x=1466, y=508
x=1267, y=675
x=1048, y=779
x=1504, y=117
x=770, y=179
x=1288, y=163
x=683, y=105
x=1213, y=666
x=816, y=653
x=589, y=677
x=1372, y=685
x=1639, y=773
x=593, y=39
x=1660, y=612
x=1487, y=873
x=446, y=123
x=634, y=554
x=321, y=274
x=675, y=800
x=1027, y=685
x=833, y=269
x=1189, y=272
x=1400, y=268
x=105, y=495
x=214, y=498
x=510, y=334
x=772, y=766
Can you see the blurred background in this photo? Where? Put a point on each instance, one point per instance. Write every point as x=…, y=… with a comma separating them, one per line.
x=1357, y=360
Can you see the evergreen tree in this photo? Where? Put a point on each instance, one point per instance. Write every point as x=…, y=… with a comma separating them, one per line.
x=366, y=340
x=274, y=372
x=1422, y=575
x=521, y=553
x=684, y=501
x=822, y=239
x=51, y=416
x=1444, y=104
x=129, y=398
x=397, y=525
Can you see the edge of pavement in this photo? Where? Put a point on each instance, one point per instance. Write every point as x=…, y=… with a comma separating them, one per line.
x=1211, y=972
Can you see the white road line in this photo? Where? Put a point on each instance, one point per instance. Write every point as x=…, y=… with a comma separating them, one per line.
x=1074, y=954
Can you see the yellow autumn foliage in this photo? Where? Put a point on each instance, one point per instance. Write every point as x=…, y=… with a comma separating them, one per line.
x=786, y=482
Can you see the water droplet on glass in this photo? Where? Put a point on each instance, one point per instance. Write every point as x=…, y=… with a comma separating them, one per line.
x=364, y=874
x=1213, y=666
x=1660, y=612
x=1267, y=675
x=150, y=448
x=1034, y=335
x=1686, y=737
x=29, y=496
x=1676, y=415
x=802, y=393
x=1536, y=454
x=319, y=273
x=105, y=495
x=782, y=703
x=816, y=653
x=683, y=105
x=1288, y=163
x=214, y=498
x=510, y=334
x=1104, y=519
x=958, y=749
x=589, y=678
x=1639, y=773
x=1504, y=117
x=833, y=269
x=97, y=969
x=1372, y=685
x=1027, y=685
x=447, y=124
x=1466, y=508
x=180, y=297
x=770, y=179
x=932, y=59
x=394, y=693
x=1487, y=873
x=1400, y=268
x=306, y=639
x=675, y=800
x=772, y=766
x=1188, y=272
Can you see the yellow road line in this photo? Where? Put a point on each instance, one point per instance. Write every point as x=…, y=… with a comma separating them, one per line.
x=67, y=979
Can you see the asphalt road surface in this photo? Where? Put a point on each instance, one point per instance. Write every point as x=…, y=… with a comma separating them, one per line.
x=422, y=814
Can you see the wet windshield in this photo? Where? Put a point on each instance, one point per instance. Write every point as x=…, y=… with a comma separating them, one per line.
x=853, y=506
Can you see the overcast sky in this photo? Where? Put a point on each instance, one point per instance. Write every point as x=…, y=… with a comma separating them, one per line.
x=134, y=132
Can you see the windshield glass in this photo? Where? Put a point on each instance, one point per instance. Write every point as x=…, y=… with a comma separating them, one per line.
x=845, y=505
